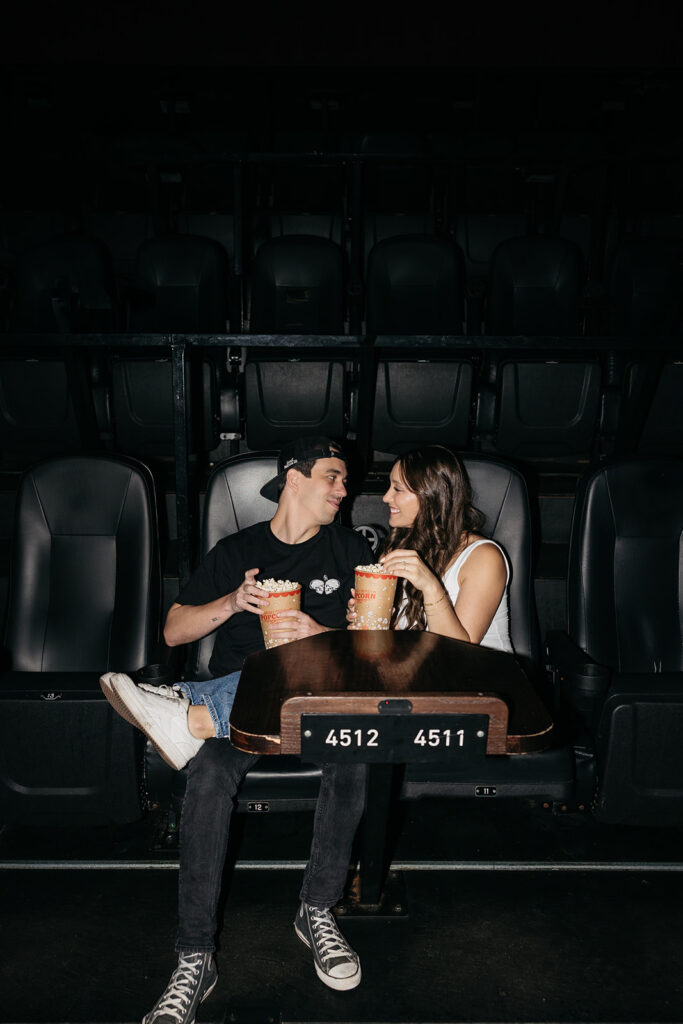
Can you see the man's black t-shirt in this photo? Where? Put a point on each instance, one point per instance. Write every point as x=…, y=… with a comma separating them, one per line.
x=322, y=565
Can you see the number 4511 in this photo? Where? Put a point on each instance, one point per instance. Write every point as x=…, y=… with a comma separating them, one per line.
x=439, y=737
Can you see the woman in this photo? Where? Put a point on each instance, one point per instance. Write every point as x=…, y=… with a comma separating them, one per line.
x=452, y=580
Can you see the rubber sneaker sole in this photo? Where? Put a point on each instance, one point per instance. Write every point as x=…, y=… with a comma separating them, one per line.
x=338, y=984
x=123, y=707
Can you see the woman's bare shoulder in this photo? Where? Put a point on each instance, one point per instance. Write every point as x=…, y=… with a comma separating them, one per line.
x=486, y=557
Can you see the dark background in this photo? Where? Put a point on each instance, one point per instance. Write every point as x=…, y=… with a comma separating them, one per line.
x=604, y=33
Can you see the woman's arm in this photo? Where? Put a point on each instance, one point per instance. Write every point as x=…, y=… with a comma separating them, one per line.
x=188, y=622
x=482, y=583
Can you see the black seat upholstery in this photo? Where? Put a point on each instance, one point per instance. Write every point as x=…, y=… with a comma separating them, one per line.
x=621, y=664
x=297, y=286
x=645, y=302
x=546, y=407
x=64, y=285
x=289, y=397
x=645, y=288
x=500, y=493
x=421, y=397
x=535, y=287
x=181, y=286
x=415, y=285
x=84, y=598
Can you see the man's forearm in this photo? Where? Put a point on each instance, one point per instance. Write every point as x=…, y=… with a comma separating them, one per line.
x=187, y=622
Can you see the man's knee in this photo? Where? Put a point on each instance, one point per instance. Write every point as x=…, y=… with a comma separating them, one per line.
x=217, y=766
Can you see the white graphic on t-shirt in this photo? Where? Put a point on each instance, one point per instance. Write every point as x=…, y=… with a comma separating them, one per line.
x=324, y=586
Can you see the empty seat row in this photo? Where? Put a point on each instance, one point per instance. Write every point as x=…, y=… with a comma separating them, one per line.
x=617, y=670
x=532, y=405
x=302, y=284
x=529, y=404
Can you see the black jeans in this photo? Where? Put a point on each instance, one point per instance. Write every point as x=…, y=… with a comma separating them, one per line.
x=214, y=776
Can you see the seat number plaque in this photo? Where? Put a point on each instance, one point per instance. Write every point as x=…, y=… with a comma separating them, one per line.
x=394, y=738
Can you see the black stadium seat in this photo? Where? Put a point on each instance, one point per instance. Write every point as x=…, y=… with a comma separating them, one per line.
x=64, y=285
x=180, y=286
x=84, y=598
x=288, y=397
x=547, y=408
x=620, y=664
x=645, y=288
x=415, y=285
x=535, y=287
x=421, y=397
x=297, y=286
x=646, y=303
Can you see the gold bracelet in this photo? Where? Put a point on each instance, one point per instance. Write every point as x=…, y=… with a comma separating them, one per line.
x=431, y=604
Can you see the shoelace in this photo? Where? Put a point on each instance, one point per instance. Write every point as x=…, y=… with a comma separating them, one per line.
x=328, y=939
x=181, y=987
x=165, y=691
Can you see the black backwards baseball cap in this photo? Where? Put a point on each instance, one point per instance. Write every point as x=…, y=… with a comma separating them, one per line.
x=301, y=449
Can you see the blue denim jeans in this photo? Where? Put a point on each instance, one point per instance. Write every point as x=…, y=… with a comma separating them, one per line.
x=218, y=696
x=214, y=777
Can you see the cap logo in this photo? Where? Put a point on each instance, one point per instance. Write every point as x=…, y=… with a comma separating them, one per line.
x=291, y=462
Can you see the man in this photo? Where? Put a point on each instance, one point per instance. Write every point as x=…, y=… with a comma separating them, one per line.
x=301, y=543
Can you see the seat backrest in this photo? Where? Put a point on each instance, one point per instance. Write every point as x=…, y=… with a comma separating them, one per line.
x=65, y=285
x=37, y=414
x=535, y=287
x=421, y=400
x=500, y=492
x=233, y=502
x=415, y=285
x=297, y=286
x=290, y=398
x=479, y=234
x=623, y=583
x=645, y=287
x=84, y=592
x=181, y=284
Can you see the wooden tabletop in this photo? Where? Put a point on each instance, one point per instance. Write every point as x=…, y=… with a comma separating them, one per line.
x=349, y=672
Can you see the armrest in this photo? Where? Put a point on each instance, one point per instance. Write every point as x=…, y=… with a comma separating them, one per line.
x=164, y=668
x=581, y=684
x=565, y=656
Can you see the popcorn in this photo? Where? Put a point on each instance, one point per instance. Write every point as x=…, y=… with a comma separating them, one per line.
x=377, y=568
x=277, y=586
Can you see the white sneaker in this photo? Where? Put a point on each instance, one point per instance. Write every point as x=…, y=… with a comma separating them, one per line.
x=161, y=716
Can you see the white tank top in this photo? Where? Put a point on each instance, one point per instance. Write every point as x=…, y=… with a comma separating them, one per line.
x=498, y=633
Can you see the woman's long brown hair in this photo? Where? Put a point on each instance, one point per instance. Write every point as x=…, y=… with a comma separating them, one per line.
x=444, y=519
